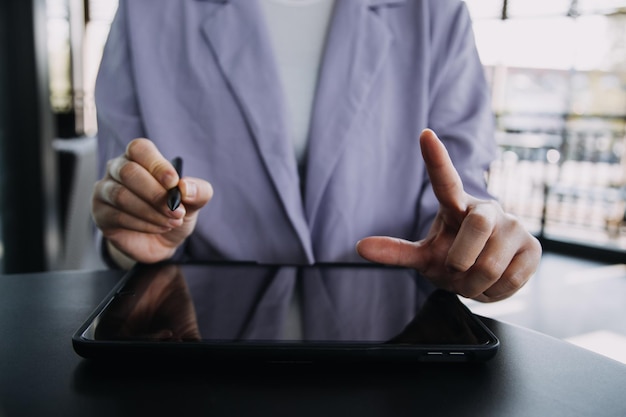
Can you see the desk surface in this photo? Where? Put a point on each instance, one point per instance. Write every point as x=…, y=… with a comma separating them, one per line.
x=532, y=375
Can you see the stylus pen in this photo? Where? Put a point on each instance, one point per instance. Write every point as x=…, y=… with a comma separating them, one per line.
x=173, y=195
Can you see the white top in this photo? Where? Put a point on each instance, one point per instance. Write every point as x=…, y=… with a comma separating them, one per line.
x=298, y=31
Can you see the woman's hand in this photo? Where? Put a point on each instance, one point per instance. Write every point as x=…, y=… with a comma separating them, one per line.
x=129, y=205
x=473, y=248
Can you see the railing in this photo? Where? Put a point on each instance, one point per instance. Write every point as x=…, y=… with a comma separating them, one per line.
x=568, y=187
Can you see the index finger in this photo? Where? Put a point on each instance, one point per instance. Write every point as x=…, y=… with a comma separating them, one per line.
x=444, y=178
x=146, y=154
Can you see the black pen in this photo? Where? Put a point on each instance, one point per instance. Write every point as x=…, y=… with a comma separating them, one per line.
x=173, y=195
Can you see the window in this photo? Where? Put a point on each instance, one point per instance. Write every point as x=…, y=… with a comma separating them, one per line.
x=77, y=32
x=558, y=76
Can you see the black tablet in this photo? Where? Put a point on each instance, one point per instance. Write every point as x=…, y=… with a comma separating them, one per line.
x=266, y=313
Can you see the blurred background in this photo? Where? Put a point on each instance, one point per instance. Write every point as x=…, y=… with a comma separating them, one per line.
x=557, y=72
x=558, y=76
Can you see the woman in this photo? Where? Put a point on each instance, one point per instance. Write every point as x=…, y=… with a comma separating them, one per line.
x=210, y=81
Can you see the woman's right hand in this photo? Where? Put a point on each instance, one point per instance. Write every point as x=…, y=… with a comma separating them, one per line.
x=129, y=205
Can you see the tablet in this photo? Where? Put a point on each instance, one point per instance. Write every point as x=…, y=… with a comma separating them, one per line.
x=269, y=313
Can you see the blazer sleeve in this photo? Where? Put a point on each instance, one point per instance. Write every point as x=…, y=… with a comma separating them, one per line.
x=460, y=108
x=119, y=116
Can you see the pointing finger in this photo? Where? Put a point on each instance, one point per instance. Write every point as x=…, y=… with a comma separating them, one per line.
x=444, y=178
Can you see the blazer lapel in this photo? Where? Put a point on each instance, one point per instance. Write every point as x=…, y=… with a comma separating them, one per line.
x=358, y=42
x=238, y=37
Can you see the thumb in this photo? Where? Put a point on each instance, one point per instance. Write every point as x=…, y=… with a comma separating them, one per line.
x=196, y=193
x=393, y=251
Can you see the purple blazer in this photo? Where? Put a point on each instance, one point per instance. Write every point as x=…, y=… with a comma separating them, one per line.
x=198, y=78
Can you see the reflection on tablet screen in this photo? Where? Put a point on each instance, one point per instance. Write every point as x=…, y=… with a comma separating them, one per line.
x=246, y=304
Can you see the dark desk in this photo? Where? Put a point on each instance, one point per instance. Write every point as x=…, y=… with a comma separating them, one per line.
x=532, y=375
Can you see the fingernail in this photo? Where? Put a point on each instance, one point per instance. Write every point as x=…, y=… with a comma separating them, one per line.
x=192, y=190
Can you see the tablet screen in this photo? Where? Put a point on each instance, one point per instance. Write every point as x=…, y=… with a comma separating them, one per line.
x=232, y=305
